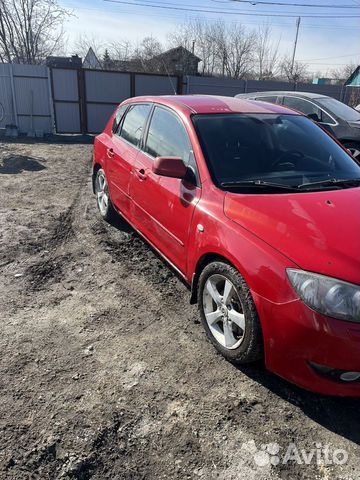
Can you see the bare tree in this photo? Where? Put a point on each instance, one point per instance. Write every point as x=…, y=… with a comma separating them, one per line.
x=223, y=50
x=121, y=50
x=145, y=51
x=266, y=53
x=30, y=30
x=200, y=38
x=343, y=73
x=85, y=41
x=293, y=73
x=238, y=52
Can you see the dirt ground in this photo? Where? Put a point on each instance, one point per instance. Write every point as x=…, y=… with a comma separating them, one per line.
x=105, y=371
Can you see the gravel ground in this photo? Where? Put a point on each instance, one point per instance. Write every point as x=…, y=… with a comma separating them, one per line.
x=105, y=371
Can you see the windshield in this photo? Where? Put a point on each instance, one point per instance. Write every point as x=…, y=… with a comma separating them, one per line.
x=339, y=109
x=287, y=150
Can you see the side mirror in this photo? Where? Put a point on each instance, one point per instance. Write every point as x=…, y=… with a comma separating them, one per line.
x=169, y=167
x=314, y=116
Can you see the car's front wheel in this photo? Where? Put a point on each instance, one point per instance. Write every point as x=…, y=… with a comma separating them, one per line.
x=354, y=149
x=228, y=313
x=103, y=196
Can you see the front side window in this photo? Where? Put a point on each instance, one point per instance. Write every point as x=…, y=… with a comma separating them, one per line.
x=303, y=106
x=167, y=136
x=285, y=150
x=134, y=123
x=340, y=109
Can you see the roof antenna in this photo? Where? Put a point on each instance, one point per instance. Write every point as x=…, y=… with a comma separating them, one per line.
x=167, y=72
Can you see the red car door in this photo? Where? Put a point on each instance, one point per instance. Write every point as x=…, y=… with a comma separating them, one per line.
x=122, y=154
x=162, y=207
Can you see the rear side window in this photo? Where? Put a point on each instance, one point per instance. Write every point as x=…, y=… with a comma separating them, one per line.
x=118, y=117
x=134, y=123
x=270, y=99
x=167, y=136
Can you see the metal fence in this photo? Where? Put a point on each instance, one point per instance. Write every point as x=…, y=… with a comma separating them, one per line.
x=25, y=99
x=230, y=87
x=39, y=100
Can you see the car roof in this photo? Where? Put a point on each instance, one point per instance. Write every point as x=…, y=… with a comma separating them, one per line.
x=282, y=92
x=207, y=104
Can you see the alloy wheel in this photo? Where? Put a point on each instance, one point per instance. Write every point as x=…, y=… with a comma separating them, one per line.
x=224, y=311
x=102, y=193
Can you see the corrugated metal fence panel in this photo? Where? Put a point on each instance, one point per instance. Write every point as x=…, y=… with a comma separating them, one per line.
x=65, y=85
x=97, y=116
x=329, y=90
x=109, y=87
x=30, y=70
x=214, y=86
x=104, y=91
x=67, y=117
x=267, y=86
x=230, y=87
x=6, y=97
x=155, y=85
x=66, y=98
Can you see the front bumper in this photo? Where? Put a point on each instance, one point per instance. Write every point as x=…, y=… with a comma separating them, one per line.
x=296, y=339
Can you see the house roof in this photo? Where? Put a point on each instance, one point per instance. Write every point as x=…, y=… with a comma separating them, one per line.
x=73, y=61
x=91, y=59
x=175, y=50
x=354, y=79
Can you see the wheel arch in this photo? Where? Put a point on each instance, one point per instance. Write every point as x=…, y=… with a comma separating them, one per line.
x=96, y=168
x=203, y=261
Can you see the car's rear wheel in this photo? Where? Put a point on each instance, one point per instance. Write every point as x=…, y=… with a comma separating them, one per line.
x=103, y=196
x=228, y=313
x=354, y=149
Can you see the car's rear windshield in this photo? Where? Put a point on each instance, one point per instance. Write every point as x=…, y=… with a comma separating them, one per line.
x=339, y=109
x=287, y=150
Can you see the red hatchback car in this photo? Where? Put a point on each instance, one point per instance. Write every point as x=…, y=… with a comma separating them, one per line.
x=258, y=209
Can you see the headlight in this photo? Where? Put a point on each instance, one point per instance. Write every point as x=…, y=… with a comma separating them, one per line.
x=327, y=295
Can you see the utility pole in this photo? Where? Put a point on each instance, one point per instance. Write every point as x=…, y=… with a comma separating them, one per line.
x=295, y=44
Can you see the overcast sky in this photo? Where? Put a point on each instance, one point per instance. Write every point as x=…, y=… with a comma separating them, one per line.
x=324, y=43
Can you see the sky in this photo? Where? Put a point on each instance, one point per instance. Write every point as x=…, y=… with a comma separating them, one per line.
x=324, y=43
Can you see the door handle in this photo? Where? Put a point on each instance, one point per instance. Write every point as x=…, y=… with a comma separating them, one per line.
x=141, y=174
x=110, y=152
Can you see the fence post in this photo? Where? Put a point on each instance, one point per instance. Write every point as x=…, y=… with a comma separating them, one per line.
x=82, y=100
x=51, y=102
x=132, y=85
x=13, y=94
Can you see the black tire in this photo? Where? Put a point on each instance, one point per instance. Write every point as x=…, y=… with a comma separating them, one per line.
x=108, y=213
x=354, y=149
x=251, y=346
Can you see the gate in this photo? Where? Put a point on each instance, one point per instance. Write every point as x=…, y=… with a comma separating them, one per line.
x=84, y=99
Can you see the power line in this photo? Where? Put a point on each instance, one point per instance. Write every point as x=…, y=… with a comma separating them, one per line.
x=225, y=12
x=336, y=56
x=174, y=16
x=260, y=2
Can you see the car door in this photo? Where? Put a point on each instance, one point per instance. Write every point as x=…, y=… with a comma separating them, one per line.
x=125, y=147
x=163, y=207
x=313, y=111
